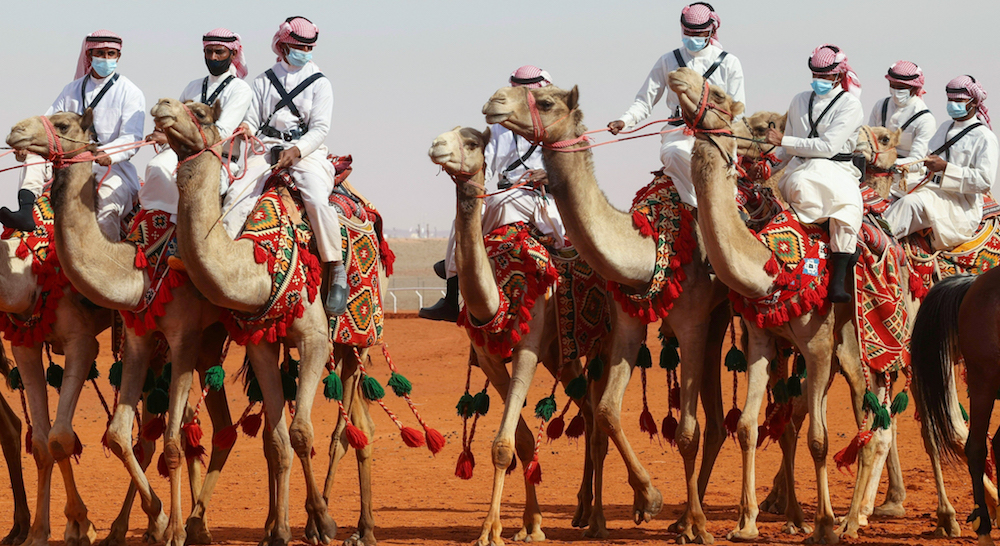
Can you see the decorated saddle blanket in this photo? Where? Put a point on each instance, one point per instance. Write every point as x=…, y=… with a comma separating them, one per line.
x=51, y=280
x=658, y=212
x=361, y=326
x=975, y=257
x=582, y=305
x=154, y=238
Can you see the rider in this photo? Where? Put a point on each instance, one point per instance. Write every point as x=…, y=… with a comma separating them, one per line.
x=224, y=84
x=962, y=167
x=511, y=159
x=904, y=108
x=119, y=114
x=820, y=181
x=293, y=130
x=702, y=53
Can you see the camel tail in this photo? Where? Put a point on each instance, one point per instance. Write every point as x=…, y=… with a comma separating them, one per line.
x=934, y=350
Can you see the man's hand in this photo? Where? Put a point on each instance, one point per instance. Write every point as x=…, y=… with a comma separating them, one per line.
x=537, y=177
x=157, y=137
x=615, y=126
x=935, y=164
x=245, y=128
x=287, y=157
x=103, y=159
x=773, y=137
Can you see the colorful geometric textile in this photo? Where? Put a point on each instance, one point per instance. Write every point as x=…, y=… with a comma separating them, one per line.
x=975, y=257
x=361, y=326
x=657, y=211
x=49, y=276
x=523, y=271
x=582, y=305
x=152, y=233
x=881, y=312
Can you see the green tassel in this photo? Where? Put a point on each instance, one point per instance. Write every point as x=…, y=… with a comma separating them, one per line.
x=14, y=378
x=900, y=403
x=794, y=386
x=780, y=391
x=871, y=402
x=333, y=388
x=166, y=371
x=54, y=375
x=546, y=407
x=293, y=368
x=800, y=366
x=147, y=385
x=371, y=388
x=965, y=414
x=669, y=359
x=400, y=385
x=595, y=368
x=481, y=403
x=881, y=419
x=94, y=373
x=672, y=342
x=157, y=401
x=115, y=374
x=466, y=406
x=736, y=361
x=289, y=388
x=254, y=394
x=215, y=377
x=644, y=360
x=772, y=366
x=577, y=388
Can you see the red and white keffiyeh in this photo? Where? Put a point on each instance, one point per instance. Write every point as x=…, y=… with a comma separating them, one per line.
x=530, y=76
x=294, y=31
x=231, y=41
x=95, y=40
x=907, y=73
x=966, y=87
x=829, y=59
x=699, y=17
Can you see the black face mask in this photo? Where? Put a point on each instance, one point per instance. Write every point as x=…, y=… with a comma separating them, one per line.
x=218, y=68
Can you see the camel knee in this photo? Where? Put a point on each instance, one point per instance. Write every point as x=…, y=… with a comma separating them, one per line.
x=818, y=449
x=746, y=432
x=173, y=453
x=300, y=435
x=687, y=438
x=607, y=418
x=503, y=454
x=118, y=442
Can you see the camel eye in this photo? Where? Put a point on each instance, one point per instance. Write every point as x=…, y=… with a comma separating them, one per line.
x=884, y=140
x=546, y=104
x=61, y=126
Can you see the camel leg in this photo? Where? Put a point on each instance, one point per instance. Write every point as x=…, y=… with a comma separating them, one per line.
x=597, y=527
x=10, y=440
x=365, y=533
x=585, y=495
x=760, y=351
x=868, y=465
x=217, y=406
x=119, y=527
x=29, y=362
x=818, y=354
x=795, y=518
x=892, y=505
x=338, y=441
x=277, y=449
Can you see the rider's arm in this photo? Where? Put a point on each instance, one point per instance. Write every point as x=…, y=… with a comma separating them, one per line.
x=978, y=175
x=844, y=124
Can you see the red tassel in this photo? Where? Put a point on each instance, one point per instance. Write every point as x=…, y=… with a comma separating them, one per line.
x=225, y=438
x=356, y=437
x=138, y=451
x=259, y=254
x=577, y=426
x=161, y=466
x=646, y=422
x=466, y=464
x=533, y=472
x=675, y=397
x=733, y=421
x=555, y=429
x=412, y=437
x=192, y=433
x=22, y=250
x=27, y=441
x=140, y=260
x=435, y=442
x=849, y=455
x=772, y=267
x=776, y=428
x=388, y=257
x=195, y=452
x=251, y=424
x=669, y=429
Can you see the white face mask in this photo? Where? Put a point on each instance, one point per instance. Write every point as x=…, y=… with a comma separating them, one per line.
x=900, y=97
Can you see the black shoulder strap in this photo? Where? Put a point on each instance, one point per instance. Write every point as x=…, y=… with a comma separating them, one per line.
x=286, y=97
x=520, y=161
x=97, y=99
x=885, y=111
x=914, y=118
x=680, y=60
x=715, y=66
x=218, y=90
x=944, y=148
x=813, y=132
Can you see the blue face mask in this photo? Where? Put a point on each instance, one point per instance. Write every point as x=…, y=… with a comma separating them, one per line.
x=821, y=86
x=694, y=43
x=298, y=58
x=957, y=109
x=104, y=67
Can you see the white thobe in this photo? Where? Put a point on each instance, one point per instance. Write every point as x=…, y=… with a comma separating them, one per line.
x=518, y=205
x=118, y=120
x=951, y=204
x=675, y=146
x=159, y=189
x=816, y=187
x=313, y=173
x=913, y=143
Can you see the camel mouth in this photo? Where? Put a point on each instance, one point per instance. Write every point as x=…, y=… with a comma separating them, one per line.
x=164, y=121
x=18, y=142
x=492, y=118
x=440, y=158
x=676, y=84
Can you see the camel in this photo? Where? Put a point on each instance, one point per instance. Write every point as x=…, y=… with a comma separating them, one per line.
x=103, y=272
x=10, y=441
x=228, y=275
x=460, y=153
x=607, y=239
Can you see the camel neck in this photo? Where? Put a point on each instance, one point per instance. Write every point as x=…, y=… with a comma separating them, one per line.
x=475, y=274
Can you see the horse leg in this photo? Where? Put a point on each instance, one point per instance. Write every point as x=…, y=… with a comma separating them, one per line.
x=10, y=440
x=982, y=394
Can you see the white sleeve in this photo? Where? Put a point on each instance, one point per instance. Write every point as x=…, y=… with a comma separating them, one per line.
x=490, y=156
x=253, y=116
x=320, y=117
x=133, y=123
x=873, y=119
x=978, y=176
x=831, y=141
x=734, y=83
x=649, y=94
x=923, y=129
x=235, y=109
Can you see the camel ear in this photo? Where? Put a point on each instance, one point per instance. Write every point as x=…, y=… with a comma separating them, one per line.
x=573, y=99
x=486, y=135
x=87, y=121
x=216, y=110
x=782, y=121
x=896, y=136
x=737, y=108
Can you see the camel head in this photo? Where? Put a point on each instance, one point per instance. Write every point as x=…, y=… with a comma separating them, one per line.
x=879, y=146
x=75, y=134
x=690, y=87
x=755, y=126
x=189, y=127
x=460, y=151
x=559, y=117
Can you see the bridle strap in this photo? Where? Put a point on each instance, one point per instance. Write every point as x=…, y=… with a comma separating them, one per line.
x=56, y=154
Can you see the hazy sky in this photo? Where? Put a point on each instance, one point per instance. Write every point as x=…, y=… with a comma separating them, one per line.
x=405, y=71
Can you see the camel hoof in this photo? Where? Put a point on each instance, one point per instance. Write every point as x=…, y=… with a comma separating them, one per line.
x=889, y=510
x=80, y=533
x=174, y=538
x=582, y=516
x=984, y=540
x=276, y=538
x=357, y=540
x=743, y=535
x=320, y=528
x=18, y=533
x=701, y=538
x=773, y=503
x=39, y=539
x=678, y=527
x=116, y=537
x=596, y=530
x=524, y=536
x=156, y=529
x=197, y=531
x=486, y=541
x=948, y=527
x=819, y=537
x=646, y=505
x=790, y=528
x=848, y=530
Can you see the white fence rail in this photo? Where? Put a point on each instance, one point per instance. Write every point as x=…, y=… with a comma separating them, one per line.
x=419, y=291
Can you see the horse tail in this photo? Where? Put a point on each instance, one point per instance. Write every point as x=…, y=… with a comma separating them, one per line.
x=934, y=350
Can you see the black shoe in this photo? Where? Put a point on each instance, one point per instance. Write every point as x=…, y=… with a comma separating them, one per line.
x=335, y=303
x=439, y=270
x=23, y=219
x=446, y=308
x=840, y=262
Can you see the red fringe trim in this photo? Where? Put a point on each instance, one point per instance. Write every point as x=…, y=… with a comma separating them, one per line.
x=52, y=281
x=145, y=321
x=533, y=472
x=849, y=455
x=412, y=437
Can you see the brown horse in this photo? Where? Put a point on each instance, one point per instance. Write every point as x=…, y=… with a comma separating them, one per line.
x=960, y=317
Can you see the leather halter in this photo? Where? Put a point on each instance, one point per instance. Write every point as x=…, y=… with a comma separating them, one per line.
x=539, y=129
x=57, y=155
x=704, y=107
x=462, y=176
x=872, y=164
x=204, y=142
